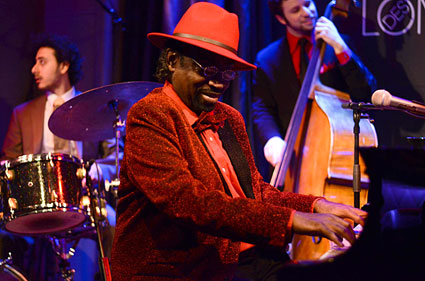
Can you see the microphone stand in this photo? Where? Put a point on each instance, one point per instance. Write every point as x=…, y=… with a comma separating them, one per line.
x=116, y=19
x=118, y=27
x=356, y=166
x=358, y=114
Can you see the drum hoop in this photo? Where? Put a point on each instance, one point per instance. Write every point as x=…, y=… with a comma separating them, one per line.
x=10, y=217
x=27, y=211
x=14, y=271
x=29, y=158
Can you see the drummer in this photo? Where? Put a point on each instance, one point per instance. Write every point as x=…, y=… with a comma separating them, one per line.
x=56, y=71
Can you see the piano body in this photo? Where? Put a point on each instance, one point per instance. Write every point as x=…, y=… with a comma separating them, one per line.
x=391, y=246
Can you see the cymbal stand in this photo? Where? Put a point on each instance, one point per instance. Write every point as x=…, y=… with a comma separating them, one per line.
x=118, y=126
x=8, y=260
x=59, y=246
x=96, y=217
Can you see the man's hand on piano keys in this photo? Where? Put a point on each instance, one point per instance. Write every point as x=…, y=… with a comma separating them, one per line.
x=331, y=220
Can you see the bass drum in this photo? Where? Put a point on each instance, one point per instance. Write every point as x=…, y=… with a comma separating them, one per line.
x=8, y=273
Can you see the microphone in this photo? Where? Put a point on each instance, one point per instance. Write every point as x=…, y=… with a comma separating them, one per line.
x=384, y=98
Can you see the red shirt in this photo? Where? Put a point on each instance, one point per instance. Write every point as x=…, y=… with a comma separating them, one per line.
x=213, y=143
x=294, y=50
x=215, y=147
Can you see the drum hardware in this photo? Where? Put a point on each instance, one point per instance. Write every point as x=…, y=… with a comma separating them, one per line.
x=97, y=219
x=59, y=247
x=10, y=175
x=95, y=209
x=13, y=204
x=8, y=273
x=100, y=207
x=112, y=186
x=99, y=199
x=81, y=173
x=118, y=126
x=8, y=260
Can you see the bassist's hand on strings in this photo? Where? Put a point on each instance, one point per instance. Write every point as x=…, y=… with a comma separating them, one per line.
x=326, y=30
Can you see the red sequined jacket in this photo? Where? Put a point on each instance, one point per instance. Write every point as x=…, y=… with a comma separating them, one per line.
x=175, y=219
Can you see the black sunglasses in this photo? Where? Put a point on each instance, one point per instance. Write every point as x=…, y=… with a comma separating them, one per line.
x=211, y=71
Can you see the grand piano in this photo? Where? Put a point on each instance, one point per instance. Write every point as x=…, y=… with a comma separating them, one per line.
x=392, y=244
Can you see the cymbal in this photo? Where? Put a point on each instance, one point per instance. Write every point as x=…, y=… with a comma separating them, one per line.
x=90, y=117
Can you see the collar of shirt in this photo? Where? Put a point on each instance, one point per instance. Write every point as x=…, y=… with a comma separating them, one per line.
x=205, y=121
x=189, y=114
x=294, y=46
x=294, y=50
x=51, y=97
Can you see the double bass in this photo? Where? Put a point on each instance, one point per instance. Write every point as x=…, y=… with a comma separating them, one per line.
x=318, y=158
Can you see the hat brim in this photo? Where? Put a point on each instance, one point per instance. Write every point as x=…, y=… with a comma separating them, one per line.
x=159, y=40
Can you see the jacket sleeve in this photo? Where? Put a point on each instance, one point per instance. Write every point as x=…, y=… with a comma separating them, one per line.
x=360, y=81
x=12, y=145
x=264, y=107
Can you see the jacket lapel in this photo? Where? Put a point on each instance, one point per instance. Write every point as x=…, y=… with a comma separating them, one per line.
x=236, y=155
x=37, y=124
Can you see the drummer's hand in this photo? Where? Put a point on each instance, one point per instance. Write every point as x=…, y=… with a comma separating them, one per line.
x=273, y=150
x=95, y=174
x=327, y=31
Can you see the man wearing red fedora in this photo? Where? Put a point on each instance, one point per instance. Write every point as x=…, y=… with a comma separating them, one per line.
x=191, y=199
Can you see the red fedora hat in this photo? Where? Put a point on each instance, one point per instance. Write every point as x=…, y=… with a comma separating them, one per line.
x=210, y=27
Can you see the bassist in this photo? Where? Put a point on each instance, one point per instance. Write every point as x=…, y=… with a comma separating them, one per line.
x=278, y=77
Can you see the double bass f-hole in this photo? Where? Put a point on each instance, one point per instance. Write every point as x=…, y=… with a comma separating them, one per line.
x=316, y=239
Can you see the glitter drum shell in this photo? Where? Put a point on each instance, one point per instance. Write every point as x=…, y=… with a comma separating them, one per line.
x=41, y=193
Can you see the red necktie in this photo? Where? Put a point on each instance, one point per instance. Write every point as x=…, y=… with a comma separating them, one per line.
x=303, y=58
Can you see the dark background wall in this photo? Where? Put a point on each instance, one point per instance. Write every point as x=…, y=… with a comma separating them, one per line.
x=84, y=22
x=387, y=35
